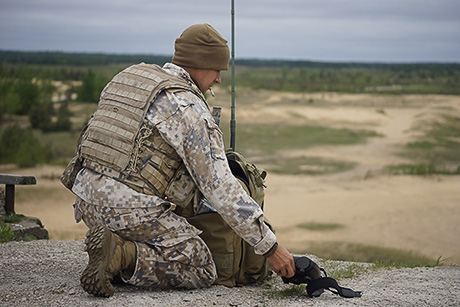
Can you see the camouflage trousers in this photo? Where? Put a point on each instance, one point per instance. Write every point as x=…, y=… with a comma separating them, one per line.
x=170, y=254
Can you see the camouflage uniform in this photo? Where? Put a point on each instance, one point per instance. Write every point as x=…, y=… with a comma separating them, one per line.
x=169, y=251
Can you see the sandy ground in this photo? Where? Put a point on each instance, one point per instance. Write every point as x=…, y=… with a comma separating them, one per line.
x=414, y=213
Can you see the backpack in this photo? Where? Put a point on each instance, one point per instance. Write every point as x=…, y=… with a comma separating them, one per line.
x=236, y=262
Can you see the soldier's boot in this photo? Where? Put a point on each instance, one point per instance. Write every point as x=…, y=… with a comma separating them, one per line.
x=109, y=255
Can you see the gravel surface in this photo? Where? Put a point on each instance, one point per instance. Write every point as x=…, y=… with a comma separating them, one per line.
x=46, y=273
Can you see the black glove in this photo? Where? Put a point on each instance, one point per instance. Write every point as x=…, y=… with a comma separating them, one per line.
x=308, y=272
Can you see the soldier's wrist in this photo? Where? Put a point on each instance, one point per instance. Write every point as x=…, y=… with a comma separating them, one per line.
x=271, y=251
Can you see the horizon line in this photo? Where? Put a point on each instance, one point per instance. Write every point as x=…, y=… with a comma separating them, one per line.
x=271, y=59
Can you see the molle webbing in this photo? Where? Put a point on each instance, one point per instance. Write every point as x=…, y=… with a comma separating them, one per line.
x=120, y=144
x=124, y=102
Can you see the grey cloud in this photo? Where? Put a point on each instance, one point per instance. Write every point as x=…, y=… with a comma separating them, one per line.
x=336, y=30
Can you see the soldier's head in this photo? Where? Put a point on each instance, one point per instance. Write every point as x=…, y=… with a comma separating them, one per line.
x=203, y=52
x=201, y=46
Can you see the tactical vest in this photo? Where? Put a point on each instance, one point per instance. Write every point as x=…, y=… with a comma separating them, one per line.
x=119, y=143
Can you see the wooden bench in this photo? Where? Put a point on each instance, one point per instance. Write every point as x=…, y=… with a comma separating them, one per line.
x=10, y=181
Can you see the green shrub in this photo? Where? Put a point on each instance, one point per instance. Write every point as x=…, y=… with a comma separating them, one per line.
x=20, y=146
x=92, y=86
x=6, y=234
x=40, y=115
x=63, y=122
x=18, y=95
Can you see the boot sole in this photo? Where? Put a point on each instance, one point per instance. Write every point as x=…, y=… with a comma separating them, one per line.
x=94, y=279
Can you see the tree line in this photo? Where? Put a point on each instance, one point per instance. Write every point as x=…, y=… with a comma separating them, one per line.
x=77, y=59
x=298, y=76
x=282, y=75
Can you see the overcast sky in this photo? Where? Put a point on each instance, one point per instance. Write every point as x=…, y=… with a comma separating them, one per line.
x=318, y=30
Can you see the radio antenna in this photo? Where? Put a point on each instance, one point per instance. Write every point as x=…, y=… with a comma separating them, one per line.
x=232, y=120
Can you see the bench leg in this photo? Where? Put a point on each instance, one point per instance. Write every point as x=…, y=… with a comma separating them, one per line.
x=9, y=199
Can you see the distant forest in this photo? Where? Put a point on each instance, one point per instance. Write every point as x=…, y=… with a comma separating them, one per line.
x=76, y=59
x=279, y=75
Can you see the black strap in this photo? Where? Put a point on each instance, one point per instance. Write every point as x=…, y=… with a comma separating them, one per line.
x=316, y=287
x=308, y=272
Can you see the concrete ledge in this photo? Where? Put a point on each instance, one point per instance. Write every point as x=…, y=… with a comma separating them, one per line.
x=17, y=179
x=29, y=226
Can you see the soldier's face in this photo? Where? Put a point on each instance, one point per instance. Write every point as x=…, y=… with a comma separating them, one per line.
x=206, y=78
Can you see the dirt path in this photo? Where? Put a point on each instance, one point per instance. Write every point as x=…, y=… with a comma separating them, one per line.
x=405, y=212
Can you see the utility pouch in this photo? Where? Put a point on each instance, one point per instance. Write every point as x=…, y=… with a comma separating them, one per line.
x=181, y=188
x=71, y=171
x=75, y=165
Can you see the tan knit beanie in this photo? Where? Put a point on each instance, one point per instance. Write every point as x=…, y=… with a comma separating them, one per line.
x=201, y=46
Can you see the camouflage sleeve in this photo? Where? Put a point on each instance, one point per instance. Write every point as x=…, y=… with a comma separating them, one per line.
x=191, y=130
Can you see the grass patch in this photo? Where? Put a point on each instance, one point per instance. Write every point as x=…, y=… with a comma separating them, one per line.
x=320, y=226
x=436, y=152
x=304, y=165
x=12, y=218
x=421, y=169
x=6, y=233
x=371, y=254
x=28, y=238
x=266, y=139
x=291, y=290
x=339, y=271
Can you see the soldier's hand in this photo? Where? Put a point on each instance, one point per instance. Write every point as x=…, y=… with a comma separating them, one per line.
x=282, y=262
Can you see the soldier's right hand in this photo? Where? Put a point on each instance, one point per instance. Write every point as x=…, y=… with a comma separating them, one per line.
x=282, y=262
